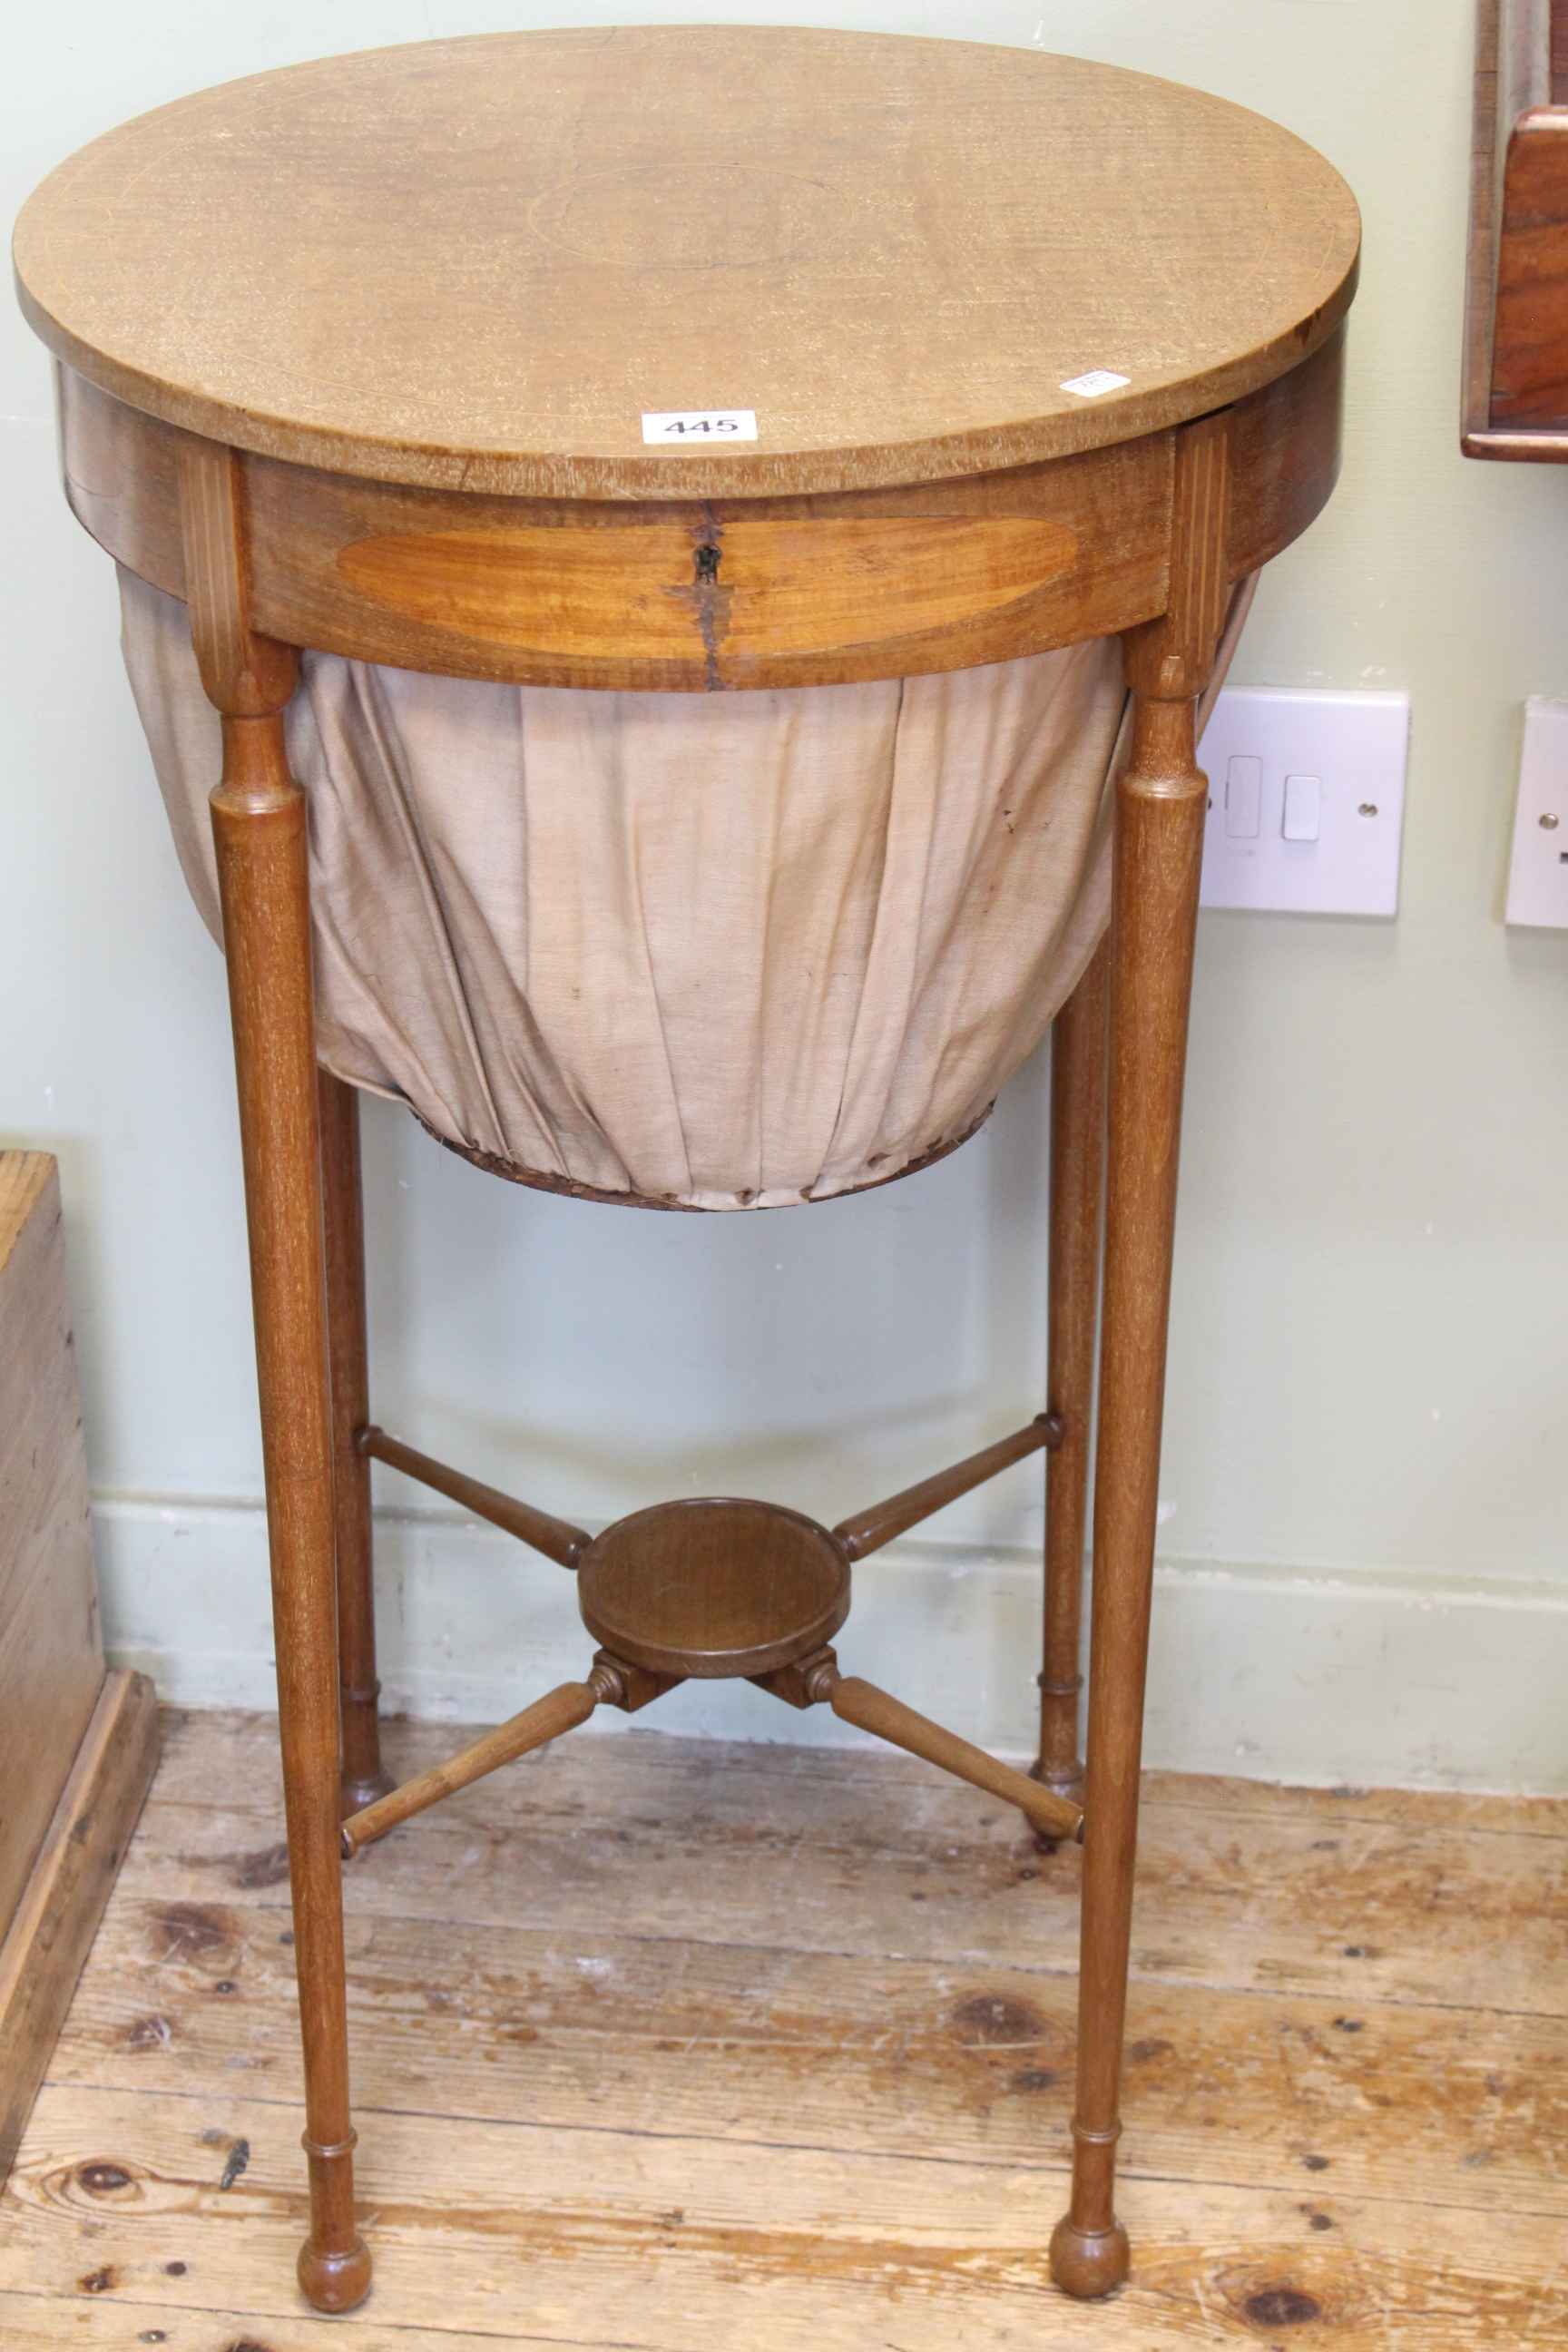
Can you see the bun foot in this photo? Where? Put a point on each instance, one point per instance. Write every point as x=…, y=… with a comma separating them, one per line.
x=1089, y=2263
x=334, y=2283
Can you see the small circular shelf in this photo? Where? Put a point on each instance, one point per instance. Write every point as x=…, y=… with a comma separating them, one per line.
x=711, y=1587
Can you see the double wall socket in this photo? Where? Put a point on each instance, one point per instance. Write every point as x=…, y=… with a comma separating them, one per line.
x=1306, y=800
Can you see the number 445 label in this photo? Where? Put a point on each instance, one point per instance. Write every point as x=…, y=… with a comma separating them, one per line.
x=698, y=428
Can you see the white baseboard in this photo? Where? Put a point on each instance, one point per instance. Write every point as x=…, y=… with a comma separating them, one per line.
x=1276, y=1674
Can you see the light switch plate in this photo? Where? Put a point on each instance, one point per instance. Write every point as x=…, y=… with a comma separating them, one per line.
x=1354, y=745
x=1538, y=869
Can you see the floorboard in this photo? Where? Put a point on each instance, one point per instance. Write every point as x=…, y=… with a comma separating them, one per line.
x=666, y=2044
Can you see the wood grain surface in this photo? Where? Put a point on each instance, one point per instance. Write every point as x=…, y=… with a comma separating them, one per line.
x=51, y=1658
x=689, y=595
x=51, y=1930
x=476, y=264
x=713, y=1585
x=1514, y=398
x=258, y=834
x=76, y=1748
x=815, y=2093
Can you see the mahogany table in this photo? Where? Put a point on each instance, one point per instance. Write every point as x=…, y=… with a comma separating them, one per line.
x=1034, y=352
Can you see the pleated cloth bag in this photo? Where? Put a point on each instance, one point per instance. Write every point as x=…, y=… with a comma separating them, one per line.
x=696, y=951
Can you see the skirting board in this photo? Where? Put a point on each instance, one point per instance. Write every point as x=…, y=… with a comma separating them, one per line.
x=1304, y=1677
x=57, y=1919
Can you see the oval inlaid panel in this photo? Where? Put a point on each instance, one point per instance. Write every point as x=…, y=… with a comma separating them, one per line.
x=666, y=591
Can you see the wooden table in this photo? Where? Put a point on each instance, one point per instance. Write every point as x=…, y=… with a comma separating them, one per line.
x=362, y=356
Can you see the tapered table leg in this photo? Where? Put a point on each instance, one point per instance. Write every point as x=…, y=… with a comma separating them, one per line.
x=364, y=1776
x=258, y=827
x=1078, y=1177
x=1159, y=847
x=259, y=821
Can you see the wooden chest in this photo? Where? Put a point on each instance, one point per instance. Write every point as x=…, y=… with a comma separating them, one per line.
x=77, y=1744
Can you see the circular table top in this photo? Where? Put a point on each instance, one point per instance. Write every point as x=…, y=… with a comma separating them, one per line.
x=483, y=263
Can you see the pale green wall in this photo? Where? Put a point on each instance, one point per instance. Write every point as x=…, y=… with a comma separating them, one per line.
x=1369, y=1372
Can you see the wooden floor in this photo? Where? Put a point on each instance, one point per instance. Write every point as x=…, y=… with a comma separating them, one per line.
x=703, y=2049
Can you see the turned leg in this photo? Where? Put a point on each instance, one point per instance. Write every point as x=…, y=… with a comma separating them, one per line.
x=1159, y=847
x=363, y=1779
x=258, y=824
x=258, y=827
x=1077, y=1174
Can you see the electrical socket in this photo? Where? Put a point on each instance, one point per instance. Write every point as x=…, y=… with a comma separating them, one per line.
x=1538, y=868
x=1306, y=800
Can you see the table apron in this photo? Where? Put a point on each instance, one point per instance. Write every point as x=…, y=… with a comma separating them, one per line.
x=702, y=595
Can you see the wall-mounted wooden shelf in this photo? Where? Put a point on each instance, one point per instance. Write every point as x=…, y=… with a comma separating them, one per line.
x=1516, y=306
